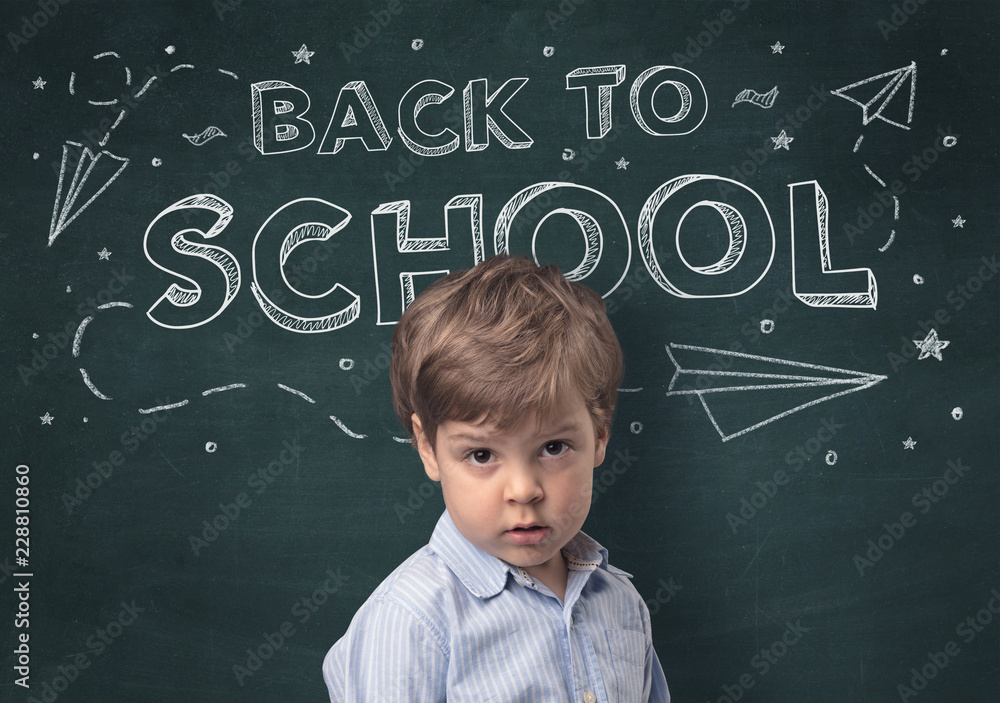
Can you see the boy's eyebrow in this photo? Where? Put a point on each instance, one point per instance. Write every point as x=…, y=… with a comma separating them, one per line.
x=567, y=428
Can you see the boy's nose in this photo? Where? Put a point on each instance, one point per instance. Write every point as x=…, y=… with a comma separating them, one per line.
x=523, y=486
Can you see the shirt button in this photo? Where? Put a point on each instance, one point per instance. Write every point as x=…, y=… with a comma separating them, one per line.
x=589, y=697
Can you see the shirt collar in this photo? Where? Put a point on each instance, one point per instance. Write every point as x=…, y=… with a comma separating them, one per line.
x=486, y=575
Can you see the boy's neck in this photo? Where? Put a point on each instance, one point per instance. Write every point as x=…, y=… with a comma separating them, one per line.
x=554, y=574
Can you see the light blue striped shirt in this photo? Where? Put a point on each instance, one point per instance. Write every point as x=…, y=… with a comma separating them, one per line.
x=455, y=623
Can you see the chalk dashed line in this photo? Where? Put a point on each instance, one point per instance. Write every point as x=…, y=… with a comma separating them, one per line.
x=401, y=440
x=228, y=73
x=892, y=235
x=79, y=334
x=170, y=406
x=145, y=87
x=629, y=390
x=91, y=386
x=872, y=174
x=114, y=304
x=298, y=393
x=347, y=431
x=223, y=388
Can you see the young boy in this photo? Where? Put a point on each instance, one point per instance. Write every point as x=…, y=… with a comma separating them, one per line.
x=505, y=376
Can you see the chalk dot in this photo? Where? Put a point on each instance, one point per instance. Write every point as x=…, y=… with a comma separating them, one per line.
x=34, y=335
x=157, y=161
x=548, y=51
x=69, y=289
x=211, y=447
x=830, y=458
x=417, y=44
x=346, y=364
x=86, y=419
x=767, y=326
x=635, y=427
x=171, y=49
x=957, y=413
x=35, y=156
x=568, y=155
x=949, y=141
x=918, y=279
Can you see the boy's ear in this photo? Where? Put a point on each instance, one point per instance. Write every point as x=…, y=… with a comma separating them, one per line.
x=425, y=450
x=602, y=445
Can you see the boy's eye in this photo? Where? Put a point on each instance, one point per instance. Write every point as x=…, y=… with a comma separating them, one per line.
x=480, y=456
x=555, y=448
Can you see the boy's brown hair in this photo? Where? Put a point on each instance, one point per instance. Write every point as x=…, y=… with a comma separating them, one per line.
x=501, y=340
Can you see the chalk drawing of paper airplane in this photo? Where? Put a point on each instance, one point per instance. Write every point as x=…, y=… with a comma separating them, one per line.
x=748, y=391
x=97, y=172
x=877, y=106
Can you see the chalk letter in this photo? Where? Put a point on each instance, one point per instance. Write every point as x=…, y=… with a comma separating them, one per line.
x=748, y=229
x=603, y=78
x=692, y=105
x=291, y=225
x=275, y=98
x=390, y=224
x=416, y=99
x=831, y=288
x=186, y=307
x=480, y=121
x=604, y=264
x=367, y=126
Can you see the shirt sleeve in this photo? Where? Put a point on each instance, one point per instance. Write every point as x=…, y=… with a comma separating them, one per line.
x=655, y=680
x=390, y=653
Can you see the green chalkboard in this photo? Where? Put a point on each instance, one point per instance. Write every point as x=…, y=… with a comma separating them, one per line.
x=214, y=212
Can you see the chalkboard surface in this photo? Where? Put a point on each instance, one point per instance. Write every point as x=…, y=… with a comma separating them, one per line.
x=214, y=212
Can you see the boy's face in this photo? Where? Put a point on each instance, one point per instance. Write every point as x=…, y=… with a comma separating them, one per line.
x=521, y=494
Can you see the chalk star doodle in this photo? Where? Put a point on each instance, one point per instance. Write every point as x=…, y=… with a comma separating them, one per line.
x=761, y=376
x=782, y=141
x=302, y=54
x=39, y=83
x=931, y=346
x=883, y=98
x=776, y=48
x=958, y=222
x=621, y=164
x=46, y=419
x=908, y=443
x=104, y=254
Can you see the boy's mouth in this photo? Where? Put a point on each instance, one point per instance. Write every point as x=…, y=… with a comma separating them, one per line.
x=528, y=534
